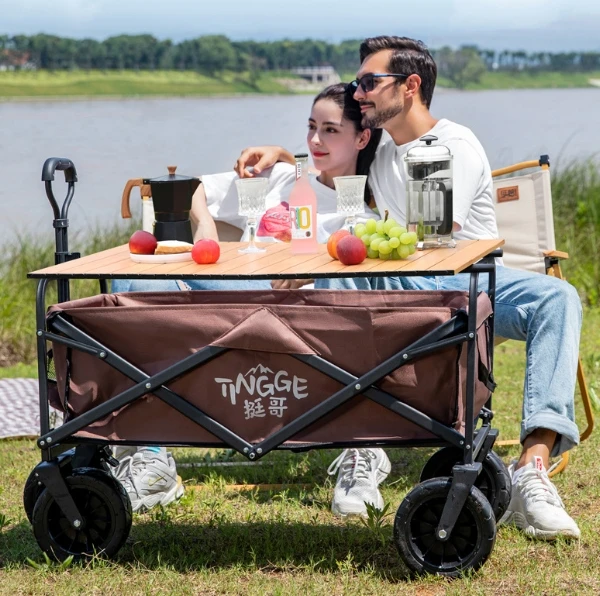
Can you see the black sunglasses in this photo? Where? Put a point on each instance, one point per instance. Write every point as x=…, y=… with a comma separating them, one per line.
x=367, y=82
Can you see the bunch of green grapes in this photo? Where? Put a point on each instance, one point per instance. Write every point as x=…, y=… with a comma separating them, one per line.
x=386, y=239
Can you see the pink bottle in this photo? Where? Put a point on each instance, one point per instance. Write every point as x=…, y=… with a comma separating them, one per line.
x=303, y=211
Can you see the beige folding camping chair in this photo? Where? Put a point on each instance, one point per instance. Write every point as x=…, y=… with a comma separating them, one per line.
x=524, y=213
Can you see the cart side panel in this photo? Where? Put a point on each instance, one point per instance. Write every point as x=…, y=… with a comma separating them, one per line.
x=257, y=386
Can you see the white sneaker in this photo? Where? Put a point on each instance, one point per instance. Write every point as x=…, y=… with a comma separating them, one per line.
x=360, y=473
x=149, y=478
x=535, y=506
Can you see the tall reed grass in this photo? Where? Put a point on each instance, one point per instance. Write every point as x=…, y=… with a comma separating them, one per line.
x=576, y=202
x=576, y=198
x=17, y=292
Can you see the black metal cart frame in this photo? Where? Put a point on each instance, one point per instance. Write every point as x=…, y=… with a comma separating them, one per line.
x=474, y=445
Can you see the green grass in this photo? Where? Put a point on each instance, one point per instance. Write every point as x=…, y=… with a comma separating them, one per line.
x=525, y=80
x=517, y=80
x=127, y=83
x=21, y=84
x=17, y=293
x=20, y=370
x=217, y=540
x=576, y=199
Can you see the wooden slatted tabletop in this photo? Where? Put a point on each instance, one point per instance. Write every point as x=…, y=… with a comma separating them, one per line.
x=276, y=262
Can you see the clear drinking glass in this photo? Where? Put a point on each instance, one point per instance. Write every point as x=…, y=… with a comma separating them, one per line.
x=350, y=198
x=252, y=193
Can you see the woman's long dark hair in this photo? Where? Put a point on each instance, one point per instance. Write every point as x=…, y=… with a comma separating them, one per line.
x=342, y=94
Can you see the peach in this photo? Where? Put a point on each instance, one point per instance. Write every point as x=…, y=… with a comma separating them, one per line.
x=333, y=240
x=351, y=250
x=206, y=251
x=142, y=243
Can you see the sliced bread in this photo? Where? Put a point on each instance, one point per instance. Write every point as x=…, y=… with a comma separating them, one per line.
x=171, y=247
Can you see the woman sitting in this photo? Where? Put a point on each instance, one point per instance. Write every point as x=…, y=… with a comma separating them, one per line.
x=339, y=146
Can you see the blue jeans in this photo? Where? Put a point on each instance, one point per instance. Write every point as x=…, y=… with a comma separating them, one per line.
x=171, y=285
x=540, y=310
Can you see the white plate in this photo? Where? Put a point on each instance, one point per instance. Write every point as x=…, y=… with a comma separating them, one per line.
x=156, y=259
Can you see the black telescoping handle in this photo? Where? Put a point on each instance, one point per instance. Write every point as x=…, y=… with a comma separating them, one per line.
x=59, y=163
x=50, y=166
x=61, y=223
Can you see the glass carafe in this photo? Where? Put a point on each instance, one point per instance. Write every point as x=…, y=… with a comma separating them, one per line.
x=428, y=169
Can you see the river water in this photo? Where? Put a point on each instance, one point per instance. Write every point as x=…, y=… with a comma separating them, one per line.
x=111, y=141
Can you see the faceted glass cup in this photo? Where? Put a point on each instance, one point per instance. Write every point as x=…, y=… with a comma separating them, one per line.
x=252, y=193
x=350, y=197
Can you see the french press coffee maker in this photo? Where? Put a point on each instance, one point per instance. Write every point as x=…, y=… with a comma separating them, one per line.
x=428, y=169
x=166, y=204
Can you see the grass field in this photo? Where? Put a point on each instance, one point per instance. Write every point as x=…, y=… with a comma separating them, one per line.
x=544, y=80
x=109, y=83
x=14, y=85
x=519, y=80
x=222, y=540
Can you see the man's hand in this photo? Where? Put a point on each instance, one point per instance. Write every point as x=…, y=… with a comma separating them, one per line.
x=260, y=158
x=290, y=284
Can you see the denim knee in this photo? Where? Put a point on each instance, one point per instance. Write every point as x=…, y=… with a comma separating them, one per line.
x=560, y=298
x=571, y=299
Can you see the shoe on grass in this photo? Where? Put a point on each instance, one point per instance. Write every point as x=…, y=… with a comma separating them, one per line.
x=360, y=472
x=150, y=478
x=535, y=506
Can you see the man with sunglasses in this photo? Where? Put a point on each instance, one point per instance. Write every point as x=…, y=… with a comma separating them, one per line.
x=394, y=87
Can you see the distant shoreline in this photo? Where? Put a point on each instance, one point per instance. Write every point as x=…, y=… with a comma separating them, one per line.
x=58, y=98
x=33, y=86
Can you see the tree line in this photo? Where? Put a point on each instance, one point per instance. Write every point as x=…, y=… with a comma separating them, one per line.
x=212, y=54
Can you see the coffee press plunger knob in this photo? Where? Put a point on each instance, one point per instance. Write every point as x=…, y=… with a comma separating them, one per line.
x=428, y=139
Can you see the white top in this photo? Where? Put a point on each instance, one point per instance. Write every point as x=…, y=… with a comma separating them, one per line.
x=222, y=201
x=473, y=207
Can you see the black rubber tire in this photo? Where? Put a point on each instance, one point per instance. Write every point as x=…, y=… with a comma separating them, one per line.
x=106, y=511
x=469, y=544
x=494, y=481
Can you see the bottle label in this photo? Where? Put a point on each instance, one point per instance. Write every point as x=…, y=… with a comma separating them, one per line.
x=301, y=217
x=298, y=170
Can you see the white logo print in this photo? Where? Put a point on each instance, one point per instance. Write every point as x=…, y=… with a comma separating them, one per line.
x=261, y=382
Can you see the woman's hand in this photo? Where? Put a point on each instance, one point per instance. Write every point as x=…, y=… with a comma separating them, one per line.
x=260, y=158
x=290, y=284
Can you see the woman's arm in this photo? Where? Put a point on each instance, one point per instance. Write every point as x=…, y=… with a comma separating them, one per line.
x=261, y=158
x=201, y=217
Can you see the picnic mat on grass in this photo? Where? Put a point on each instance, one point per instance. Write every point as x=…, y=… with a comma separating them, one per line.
x=19, y=408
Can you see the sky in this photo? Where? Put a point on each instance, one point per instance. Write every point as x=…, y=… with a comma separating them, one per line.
x=530, y=25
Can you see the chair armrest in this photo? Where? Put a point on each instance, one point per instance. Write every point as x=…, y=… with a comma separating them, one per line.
x=556, y=254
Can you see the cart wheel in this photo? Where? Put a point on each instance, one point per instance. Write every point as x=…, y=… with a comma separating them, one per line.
x=32, y=490
x=34, y=487
x=469, y=544
x=494, y=481
x=105, y=509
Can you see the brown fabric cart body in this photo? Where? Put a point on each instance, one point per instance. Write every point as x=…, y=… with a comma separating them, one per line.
x=256, y=387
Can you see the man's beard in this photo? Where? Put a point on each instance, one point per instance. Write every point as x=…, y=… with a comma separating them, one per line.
x=380, y=117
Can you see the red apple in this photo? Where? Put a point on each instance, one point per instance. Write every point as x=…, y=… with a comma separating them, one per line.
x=351, y=250
x=206, y=251
x=333, y=241
x=142, y=243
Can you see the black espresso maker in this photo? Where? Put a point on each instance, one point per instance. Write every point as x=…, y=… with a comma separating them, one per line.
x=171, y=197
